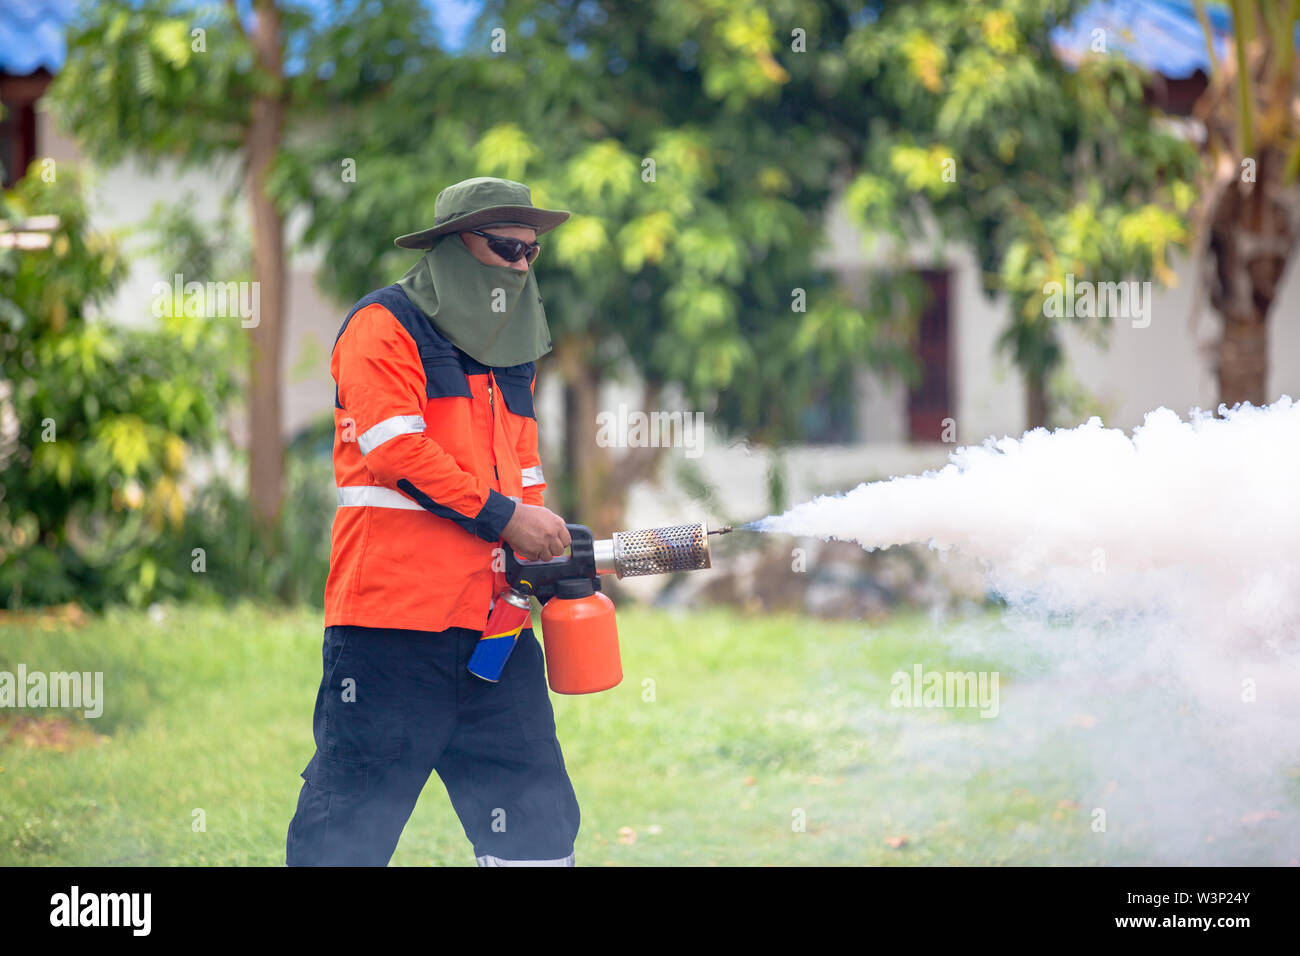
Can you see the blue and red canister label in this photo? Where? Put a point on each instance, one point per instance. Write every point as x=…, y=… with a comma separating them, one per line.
x=510, y=615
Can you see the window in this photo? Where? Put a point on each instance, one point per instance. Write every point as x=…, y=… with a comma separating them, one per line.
x=929, y=401
x=18, y=124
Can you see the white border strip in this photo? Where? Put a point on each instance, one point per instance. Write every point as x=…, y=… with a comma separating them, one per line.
x=375, y=496
x=498, y=861
x=376, y=435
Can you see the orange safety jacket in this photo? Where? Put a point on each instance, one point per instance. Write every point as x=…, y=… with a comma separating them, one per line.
x=429, y=445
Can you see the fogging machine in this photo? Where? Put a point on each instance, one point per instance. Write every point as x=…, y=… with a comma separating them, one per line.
x=578, y=629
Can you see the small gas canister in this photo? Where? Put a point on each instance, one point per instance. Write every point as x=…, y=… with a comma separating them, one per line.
x=581, y=640
x=510, y=615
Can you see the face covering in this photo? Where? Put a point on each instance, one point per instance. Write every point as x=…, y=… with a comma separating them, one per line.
x=492, y=313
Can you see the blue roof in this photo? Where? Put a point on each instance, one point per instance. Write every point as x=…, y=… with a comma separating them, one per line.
x=1163, y=36
x=31, y=31
x=31, y=34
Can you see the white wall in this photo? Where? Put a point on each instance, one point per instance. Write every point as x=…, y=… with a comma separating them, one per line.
x=122, y=198
x=1140, y=369
x=1167, y=363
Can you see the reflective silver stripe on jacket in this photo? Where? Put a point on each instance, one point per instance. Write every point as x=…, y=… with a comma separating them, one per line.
x=375, y=496
x=498, y=861
x=376, y=435
x=533, y=476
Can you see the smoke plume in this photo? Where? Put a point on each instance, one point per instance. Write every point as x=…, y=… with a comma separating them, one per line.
x=1158, y=571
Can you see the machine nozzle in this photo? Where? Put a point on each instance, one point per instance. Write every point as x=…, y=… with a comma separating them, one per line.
x=683, y=547
x=725, y=529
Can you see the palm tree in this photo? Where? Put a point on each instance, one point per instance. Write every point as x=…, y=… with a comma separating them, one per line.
x=1249, y=215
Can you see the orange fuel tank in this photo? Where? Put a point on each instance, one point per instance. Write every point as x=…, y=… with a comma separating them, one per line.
x=581, y=640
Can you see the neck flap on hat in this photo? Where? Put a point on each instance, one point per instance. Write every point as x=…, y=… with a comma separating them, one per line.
x=492, y=313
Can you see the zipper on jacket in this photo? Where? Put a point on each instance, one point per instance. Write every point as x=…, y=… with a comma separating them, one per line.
x=492, y=405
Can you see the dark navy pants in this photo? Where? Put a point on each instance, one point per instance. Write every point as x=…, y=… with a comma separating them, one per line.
x=394, y=705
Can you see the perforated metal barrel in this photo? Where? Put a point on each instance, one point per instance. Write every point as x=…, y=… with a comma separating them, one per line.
x=679, y=547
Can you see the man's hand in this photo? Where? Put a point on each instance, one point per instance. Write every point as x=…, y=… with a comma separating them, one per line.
x=535, y=532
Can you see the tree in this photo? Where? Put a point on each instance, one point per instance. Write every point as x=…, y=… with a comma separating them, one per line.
x=698, y=206
x=979, y=131
x=1248, y=220
x=97, y=422
x=700, y=144
x=168, y=79
x=951, y=114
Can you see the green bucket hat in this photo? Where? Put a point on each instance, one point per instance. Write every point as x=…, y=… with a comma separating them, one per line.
x=478, y=202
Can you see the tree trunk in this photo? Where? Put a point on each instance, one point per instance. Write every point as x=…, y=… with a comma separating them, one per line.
x=581, y=396
x=1243, y=359
x=1250, y=242
x=1035, y=401
x=266, y=441
x=619, y=474
x=597, y=479
x=1250, y=211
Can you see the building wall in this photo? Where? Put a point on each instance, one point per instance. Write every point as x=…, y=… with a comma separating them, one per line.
x=1135, y=371
x=123, y=197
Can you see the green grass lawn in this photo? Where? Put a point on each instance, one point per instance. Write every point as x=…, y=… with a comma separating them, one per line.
x=726, y=733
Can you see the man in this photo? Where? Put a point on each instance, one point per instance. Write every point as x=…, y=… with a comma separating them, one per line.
x=435, y=455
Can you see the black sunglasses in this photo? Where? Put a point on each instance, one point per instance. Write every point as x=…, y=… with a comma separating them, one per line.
x=509, y=249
